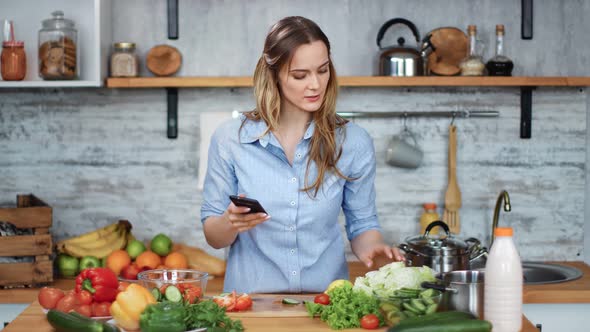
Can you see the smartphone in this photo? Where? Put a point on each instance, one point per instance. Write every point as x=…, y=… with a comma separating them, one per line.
x=253, y=204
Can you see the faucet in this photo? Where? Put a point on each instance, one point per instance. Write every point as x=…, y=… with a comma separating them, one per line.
x=503, y=196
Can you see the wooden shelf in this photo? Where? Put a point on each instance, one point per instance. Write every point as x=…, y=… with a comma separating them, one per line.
x=350, y=81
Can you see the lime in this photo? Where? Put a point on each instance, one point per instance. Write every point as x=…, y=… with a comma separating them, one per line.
x=161, y=244
x=134, y=248
x=337, y=283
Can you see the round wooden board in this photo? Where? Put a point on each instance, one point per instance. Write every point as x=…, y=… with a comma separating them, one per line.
x=451, y=45
x=163, y=60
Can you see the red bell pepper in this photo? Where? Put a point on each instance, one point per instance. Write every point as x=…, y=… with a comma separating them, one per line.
x=101, y=282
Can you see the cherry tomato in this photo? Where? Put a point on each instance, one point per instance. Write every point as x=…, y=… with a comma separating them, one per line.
x=48, y=297
x=243, y=302
x=66, y=303
x=83, y=297
x=370, y=322
x=101, y=309
x=83, y=309
x=322, y=299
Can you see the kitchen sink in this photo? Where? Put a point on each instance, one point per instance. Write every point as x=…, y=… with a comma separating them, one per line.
x=538, y=273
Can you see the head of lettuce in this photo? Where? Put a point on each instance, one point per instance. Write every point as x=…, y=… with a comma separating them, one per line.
x=391, y=277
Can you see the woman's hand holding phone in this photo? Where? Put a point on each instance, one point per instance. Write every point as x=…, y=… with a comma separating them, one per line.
x=241, y=215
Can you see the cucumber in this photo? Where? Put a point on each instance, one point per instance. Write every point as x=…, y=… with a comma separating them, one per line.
x=418, y=304
x=157, y=294
x=457, y=325
x=440, y=316
x=428, y=293
x=287, y=300
x=64, y=322
x=106, y=327
x=173, y=294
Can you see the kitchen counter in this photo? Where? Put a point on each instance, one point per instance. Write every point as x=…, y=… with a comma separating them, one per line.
x=33, y=319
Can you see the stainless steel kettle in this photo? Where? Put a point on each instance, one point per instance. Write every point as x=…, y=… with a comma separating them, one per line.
x=400, y=60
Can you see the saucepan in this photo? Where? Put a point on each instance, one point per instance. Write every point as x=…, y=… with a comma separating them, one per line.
x=462, y=291
x=441, y=253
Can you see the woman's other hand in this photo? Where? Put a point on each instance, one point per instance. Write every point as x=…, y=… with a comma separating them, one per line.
x=241, y=220
x=381, y=254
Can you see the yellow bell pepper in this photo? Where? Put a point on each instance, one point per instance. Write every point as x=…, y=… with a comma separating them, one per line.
x=129, y=305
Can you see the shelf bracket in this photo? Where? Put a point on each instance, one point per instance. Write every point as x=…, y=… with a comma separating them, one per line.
x=172, y=118
x=172, y=19
x=526, y=111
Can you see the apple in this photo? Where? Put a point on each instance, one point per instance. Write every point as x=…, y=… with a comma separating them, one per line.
x=130, y=272
x=67, y=265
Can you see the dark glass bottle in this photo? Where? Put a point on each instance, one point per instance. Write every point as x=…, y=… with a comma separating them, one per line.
x=500, y=65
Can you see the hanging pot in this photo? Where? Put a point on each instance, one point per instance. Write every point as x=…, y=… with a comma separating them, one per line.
x=441, y=253
x=399, y=60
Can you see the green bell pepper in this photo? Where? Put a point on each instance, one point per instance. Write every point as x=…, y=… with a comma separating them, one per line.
x=163, y=317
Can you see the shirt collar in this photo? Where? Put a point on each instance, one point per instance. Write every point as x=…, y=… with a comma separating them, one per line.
x=254, y=130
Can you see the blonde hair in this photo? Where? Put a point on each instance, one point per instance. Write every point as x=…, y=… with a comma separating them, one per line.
x=282, y=40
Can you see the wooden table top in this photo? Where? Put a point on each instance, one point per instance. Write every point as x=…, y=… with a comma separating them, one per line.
x=33, y=319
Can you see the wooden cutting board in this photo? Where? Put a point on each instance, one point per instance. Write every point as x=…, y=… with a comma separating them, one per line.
x=271, y=305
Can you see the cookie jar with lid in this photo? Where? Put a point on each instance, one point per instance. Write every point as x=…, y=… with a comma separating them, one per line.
x=58, y=50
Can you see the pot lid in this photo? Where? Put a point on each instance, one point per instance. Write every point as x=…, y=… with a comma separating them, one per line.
x=441, y=245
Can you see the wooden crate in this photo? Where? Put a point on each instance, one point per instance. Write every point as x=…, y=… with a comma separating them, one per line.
x=31, y=213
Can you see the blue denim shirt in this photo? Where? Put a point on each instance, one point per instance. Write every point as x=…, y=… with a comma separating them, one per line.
x=300, y=248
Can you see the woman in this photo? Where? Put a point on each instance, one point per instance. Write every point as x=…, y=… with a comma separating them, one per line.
x=303, y=163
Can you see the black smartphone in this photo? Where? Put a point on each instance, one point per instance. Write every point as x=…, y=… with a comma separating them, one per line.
x=253, y=204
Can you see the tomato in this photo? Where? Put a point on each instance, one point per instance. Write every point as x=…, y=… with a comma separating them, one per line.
x=83, y=297
x=66, y=303
x=228, y=302
x=370, y=322
x=322, y=299
x=83, y=309
x=191, y=294
x=101, y=309
x=48, y=297
x=243, y=302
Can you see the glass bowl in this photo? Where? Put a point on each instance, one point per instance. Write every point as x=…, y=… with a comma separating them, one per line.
x=190, y=283
x=400, y=306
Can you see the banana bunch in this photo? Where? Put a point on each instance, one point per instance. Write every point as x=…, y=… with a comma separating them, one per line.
x=99, y=243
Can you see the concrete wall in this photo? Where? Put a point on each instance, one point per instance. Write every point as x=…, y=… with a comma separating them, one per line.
x=97, y=155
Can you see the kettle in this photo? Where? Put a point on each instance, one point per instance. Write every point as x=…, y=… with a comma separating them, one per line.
x=400, y=60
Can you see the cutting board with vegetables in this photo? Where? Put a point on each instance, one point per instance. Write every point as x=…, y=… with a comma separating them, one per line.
x=272, y=305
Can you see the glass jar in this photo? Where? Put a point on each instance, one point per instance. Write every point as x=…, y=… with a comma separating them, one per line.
x=58, y=51
x=473, y=64
x=14, y=61
x=124, y=61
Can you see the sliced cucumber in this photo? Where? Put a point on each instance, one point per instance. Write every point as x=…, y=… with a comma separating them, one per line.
x=287, y=300
x=173, y=294
x=157, y=294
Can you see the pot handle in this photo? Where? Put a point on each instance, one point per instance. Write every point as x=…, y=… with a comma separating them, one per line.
x=439, y=287
x=434, y=224
x=407, y=248
x=393, y=21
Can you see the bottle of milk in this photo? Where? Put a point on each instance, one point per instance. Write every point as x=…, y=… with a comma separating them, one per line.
x=503, y=284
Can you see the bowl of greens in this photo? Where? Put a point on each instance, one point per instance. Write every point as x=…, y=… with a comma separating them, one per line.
x=409, y=302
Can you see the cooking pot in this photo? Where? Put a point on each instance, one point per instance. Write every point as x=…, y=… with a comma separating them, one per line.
x=462, y=291
x=399, y=60
x=441, y=253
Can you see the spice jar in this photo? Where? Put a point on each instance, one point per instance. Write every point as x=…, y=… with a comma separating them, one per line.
x=14, y=61
x=124, y=61
x=58, y=53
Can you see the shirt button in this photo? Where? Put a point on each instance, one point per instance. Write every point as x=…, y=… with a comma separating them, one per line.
x=292, y=228
x=294, y=273
x=299, y=155
x=293, y=180
x=292, y=203
x=292, y=251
